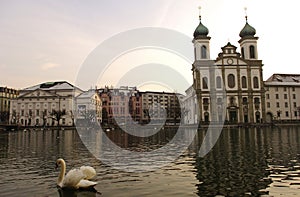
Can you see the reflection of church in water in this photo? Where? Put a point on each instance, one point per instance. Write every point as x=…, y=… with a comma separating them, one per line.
x=232, y=84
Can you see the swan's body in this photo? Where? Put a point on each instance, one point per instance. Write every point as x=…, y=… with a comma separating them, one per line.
x=75, y=178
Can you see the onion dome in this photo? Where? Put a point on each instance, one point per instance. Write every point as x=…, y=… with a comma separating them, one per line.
x=248, y=30
x=201, y=30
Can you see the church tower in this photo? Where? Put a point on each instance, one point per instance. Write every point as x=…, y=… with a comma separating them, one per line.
x=201, y=41
x=248, y=42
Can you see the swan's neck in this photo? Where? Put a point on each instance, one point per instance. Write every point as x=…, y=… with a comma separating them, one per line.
x=62, y=173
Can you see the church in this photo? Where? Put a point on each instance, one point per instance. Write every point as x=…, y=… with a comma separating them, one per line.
x=229, y=88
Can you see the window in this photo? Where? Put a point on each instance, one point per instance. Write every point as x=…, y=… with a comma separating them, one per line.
x=293, y=89
x=256, y=100
x=276, y=89
x=295, y=113
x=245, y=101
x=219, y=82
x=284, y=89
x=286, y=105
x=204, y=83
x=277, y=96
x=203, y=52
x=22, y=112
x=255, y=82
x=244, y=82
x=295, y=104
x=231, y=81
x=243, y=53
x=252, y=51
x=294, y=96
x=37, y=112
x=268, y=105
x=285, y=96
x=268, y=96
x=277, y=104
x=287, y=114
x=205, y=101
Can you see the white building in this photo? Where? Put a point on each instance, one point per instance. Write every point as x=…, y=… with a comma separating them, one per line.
x=88, y=108
x=283, y=97
x=190, y=107
x=229, y=88
x=46, y=104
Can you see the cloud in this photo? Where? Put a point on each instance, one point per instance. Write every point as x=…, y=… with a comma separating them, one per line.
x=49, y=65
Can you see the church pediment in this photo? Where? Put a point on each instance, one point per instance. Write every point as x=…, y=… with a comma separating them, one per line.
x=230, y=60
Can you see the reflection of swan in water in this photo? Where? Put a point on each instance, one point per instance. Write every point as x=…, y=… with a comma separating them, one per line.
x=75, y=178
x=65, y=192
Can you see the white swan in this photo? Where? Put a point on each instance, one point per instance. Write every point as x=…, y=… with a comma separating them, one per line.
x=75, y=178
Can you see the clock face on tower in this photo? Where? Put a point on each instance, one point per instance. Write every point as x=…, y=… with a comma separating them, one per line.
x=229, y=61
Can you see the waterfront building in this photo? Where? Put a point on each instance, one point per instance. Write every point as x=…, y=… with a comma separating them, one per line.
x=6, y=94
x=282, y=97
x=229, y=88
x=45, y=104
x=190, y=107
x=158, y=107
x=120, y=105
x=88, y=108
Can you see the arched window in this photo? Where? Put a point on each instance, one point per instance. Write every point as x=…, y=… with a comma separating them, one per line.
x=204, y=83
x=244, y=82
x=219, y=82
x=203, y=52
x=252, y=51
x=231, y=81
x=245, y=100
x=255, y=82
x=243, y=53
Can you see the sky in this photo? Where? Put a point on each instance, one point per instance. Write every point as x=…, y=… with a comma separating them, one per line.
x=49, y=40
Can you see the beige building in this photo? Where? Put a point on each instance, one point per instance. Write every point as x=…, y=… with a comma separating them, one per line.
x=158, y=107
x=229, y=88
x=6, y=94
x=283, y=97
x=46, y=104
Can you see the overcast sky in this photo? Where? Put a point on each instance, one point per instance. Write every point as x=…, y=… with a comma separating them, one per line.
x=49, y=40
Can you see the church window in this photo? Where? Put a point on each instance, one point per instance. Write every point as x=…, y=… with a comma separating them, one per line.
x=244, y=82
x=255, y=82
x=231, y=81
x=252, y=51
x=203, y=52
x=243, y=53
x=219, y=82
x=204, y=83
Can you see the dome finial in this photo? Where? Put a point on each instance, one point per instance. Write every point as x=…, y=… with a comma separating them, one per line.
x=246, y=16
x=199, y=12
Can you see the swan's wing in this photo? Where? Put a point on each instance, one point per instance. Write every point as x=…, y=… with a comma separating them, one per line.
x=72, y=178
x=84, y=184
x=88, y=171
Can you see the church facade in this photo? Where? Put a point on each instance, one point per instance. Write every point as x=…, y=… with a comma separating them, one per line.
x=229, y=88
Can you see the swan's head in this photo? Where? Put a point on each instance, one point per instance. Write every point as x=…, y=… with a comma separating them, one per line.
x=59, y=162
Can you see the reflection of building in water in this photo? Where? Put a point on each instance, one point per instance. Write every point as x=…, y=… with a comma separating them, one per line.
x=282, y=97
x=232, y=82
x=46, y=104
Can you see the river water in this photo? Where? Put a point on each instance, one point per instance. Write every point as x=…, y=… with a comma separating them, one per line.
x=243, y=162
